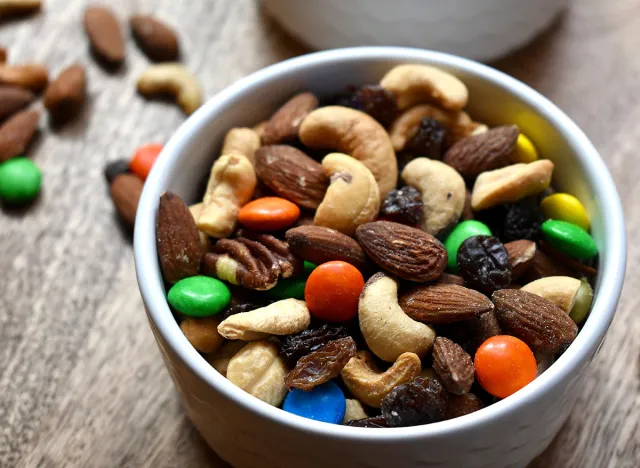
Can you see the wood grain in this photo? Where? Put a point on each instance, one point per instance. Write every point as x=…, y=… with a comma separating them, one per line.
x=81, y=379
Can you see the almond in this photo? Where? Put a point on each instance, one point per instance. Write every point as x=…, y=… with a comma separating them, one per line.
x=292, y=175
x=443, y=303
x=486, y=326
x=178, y=239
x=3, y=54
x=12, y=99
x=448, y=278
x=66, y=95
x=542, y=266
x=11, y=8
x=157, y=40
x=521, y=253
x=459, y=405
x=16, y=133
x=284, y=124
x=125, y=193
x=563, y=259
x=453, y=365
x=484, y=152
x=318, y=244
x=33, y=77
x=105, y=34
x=404, y=251
x=545, y=327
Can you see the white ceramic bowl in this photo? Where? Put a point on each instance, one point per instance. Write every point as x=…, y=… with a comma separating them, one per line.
x=479, y=29
x=249, y=433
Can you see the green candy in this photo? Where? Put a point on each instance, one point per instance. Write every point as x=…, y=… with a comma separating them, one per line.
x=461, y=233
x=308, y=268
x=293, y=287
x=199, y=296
x=569, y=238
x=20, y=181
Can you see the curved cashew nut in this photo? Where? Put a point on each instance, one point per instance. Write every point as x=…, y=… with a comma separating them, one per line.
x=357, y=134
x=231, y=185
x=404, y=127
x=242, y=141
x=354, y=411
x=174, y=79
x=280, y=318
x=388, y=331
x=369, y=385
x=561, y=290
x=352, y=198
x=419, y=83
x=443, y=192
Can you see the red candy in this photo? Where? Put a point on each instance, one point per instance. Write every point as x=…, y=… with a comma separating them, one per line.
x=332, y=291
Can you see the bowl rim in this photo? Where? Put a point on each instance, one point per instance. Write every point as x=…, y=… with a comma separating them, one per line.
x=612, y=266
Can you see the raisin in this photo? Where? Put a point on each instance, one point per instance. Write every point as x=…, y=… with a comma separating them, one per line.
x=375, y=421
x=322, y=365
x=293, y=347
x=494, y=218
x=459, y=405
x=115, y=168
x=484, y=263
x=421, y=401
x=238, y=309
x=374, y=100
x=523, y=221
x=403, y=206
x=428, y=139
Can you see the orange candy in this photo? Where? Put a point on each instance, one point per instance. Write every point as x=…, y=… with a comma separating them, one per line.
x=332, y=291
x=268, y=214
x=504, y=364
x=143, y=159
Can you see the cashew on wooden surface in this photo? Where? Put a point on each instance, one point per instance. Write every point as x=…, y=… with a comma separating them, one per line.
x=173, y=79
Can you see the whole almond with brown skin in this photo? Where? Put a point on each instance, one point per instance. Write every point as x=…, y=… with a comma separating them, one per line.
x=406, y=252
x=542, y=266
x=13, y=8
x=443, y=303
x=33, y=77
x=284, y=124
x=105, y=34
x=564, y=259
x=459, y=405
x=66, y=95
x=484, y=152
x=157, y=40
x=545, y=327
x=448, y=278
x=178, y=240
x=453, y=365
x=318, y=244
x=125, y=193
x=291, y=174
x=3, y=54
x=16, y=133
x=521, y=253
x=486, y=326
x=12, y=99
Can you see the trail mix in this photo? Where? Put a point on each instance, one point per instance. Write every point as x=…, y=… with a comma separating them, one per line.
x=343, y=289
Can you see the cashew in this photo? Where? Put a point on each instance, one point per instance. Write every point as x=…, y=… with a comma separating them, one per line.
x=202, y=333
x=260, y=371
x=510, y=184
x=388, y=331
x=561, y=290
x=369, y=385
x=404, y=127
x=419, y=83
x=354, y=411
x=357, y=134
x=220, y=359
x=443, y=193
x=174, y=79
x=478, y=129
x=204, y=239
x=280, y=318
x=259, y=128
x=242, y=141
x=352, y=198
x=231, y=185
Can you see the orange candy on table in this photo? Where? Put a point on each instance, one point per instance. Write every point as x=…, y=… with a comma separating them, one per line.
x=268, y=214
x=504, y=364
x=143, y=159
x=332, y=291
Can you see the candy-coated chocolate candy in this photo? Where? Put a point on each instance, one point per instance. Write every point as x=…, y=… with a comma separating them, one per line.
x=268, y=214
x=199, y=296
x=143, y=159
x=289, y=287
x=525, y=151
x=20, y=181
x=324, y=403
x=461, y=233
x=569, y=238
x=332, y=291
x=565, y=207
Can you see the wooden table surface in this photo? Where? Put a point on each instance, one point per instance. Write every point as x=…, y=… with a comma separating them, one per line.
x=81, y=380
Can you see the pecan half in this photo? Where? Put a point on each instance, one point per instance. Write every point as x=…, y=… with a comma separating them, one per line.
x=289, y=265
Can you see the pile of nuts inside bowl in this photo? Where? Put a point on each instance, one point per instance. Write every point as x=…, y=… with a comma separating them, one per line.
x=423, y=270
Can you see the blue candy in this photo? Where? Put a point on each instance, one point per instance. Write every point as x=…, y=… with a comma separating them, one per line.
x=324, y=403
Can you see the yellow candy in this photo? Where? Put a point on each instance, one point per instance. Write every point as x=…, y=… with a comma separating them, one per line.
x=565, y=207
x=525, y=152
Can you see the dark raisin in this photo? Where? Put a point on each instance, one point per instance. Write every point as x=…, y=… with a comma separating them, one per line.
x=523, y=221
x=459, y=405
x=374, y=100
x=115, y=168
x=238, y=309
x=493, y=218
x=421, y=401
x=428, y=139
x=484, y=263
x=403, y=206
x=375, y=421
x=321, y=365
x=293, y=347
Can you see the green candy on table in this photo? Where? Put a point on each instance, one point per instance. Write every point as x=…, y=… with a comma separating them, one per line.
x=461, y=233
x=292, y=287
x=569, y=238
x=199, y=296
x=20, y=181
